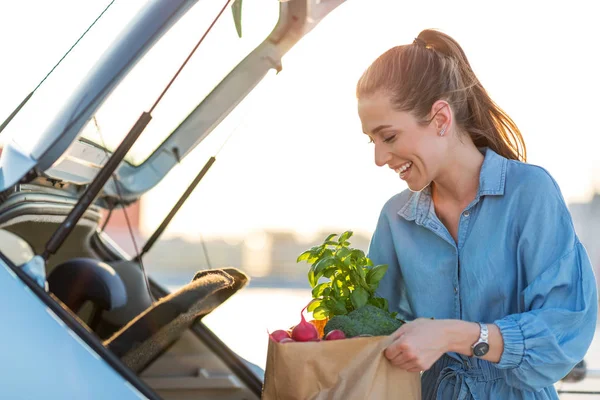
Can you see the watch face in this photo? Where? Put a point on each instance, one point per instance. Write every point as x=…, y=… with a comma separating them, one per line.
x=481, y=349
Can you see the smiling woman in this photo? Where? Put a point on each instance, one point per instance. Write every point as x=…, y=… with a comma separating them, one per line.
x=510, y=319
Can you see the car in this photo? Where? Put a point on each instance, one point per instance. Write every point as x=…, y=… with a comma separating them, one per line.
x=81, y=318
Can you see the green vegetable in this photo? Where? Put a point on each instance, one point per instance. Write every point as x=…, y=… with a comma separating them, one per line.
x=367, y=320
x=343, y=279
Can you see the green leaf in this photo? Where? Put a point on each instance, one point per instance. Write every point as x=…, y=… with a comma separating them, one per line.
x=304, y=256
x=355, y=278
x=329, y=273
x=331, y=243
x=313, y=305
x=318, y=290
x=340, y=308
x=345, y=236
x=376, y=273
x=343, y=253
x=321, y=312
x=311, y=278
x=336, y=288
x=336, y=307
x=236, y=9
x=379, y=303
x=359, y=256
x=359, y=297
x=330, y=237
x=361, y=271
x=324, y=264
x=339, y=286
x=320, y=255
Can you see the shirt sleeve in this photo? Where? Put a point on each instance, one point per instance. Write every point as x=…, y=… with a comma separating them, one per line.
x=382, y=250
x=559, y=300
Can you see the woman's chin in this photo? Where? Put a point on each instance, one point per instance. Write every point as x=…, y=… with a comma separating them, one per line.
x=416, y=186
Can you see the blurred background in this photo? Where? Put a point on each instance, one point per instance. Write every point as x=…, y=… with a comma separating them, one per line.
x=292, y=162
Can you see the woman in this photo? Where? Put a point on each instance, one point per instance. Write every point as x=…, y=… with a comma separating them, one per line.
x=481, y=251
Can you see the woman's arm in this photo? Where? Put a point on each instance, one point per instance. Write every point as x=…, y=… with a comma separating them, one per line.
x=419, y=343
x=461, y=335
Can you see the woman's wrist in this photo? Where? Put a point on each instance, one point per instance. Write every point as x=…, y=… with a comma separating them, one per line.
x=460, y=335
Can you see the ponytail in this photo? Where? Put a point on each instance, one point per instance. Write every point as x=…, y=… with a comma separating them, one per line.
x=435, y=67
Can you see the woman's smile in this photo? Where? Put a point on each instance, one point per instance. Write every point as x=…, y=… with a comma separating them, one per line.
x=403, y=170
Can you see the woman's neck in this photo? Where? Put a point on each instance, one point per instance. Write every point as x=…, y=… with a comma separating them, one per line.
x=458, y=182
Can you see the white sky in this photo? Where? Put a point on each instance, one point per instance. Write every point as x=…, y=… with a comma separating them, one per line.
x=299, y=161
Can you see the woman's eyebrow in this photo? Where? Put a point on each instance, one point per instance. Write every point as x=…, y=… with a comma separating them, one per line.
x=378, y=129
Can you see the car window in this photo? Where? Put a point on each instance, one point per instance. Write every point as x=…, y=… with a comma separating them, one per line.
x=216, y=56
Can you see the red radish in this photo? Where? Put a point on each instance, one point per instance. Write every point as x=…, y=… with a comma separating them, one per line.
x=279, y=334
x=286, y=340
x=305, y=331
x=335, y=334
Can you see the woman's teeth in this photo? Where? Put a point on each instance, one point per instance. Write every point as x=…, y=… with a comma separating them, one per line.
x=403, y=168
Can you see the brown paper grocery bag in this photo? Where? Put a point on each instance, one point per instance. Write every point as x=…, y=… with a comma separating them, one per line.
x=338, y=369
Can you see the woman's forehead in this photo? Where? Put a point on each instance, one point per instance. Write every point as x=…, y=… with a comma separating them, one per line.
x=377, y=112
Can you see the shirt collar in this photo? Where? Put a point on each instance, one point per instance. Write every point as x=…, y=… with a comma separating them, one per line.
x=492, y=178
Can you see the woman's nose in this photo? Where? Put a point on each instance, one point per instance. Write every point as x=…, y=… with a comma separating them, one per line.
x=381, y=156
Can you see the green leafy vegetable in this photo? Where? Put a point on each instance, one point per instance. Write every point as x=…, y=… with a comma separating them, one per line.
x=367, y=320
x=343, y=279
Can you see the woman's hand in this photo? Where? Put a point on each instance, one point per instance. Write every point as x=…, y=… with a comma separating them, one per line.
x=418, y=344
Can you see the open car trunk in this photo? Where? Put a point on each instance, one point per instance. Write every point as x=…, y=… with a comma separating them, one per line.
x=188, y=361
x=56, y=179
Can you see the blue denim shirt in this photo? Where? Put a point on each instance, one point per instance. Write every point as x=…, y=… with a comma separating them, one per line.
x=518, y=264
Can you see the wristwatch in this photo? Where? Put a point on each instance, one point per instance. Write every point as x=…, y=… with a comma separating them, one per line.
x=481, y=346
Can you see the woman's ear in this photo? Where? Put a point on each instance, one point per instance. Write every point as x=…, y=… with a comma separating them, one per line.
x=442, y=116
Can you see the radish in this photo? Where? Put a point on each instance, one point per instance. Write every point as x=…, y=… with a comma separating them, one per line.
x=286, y=340
x=305, y=331
x=335, y=334
x=279, y=335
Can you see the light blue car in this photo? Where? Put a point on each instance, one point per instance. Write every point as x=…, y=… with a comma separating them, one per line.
x=80, y=318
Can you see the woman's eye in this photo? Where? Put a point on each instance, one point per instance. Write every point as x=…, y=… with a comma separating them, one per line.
x=389, y=139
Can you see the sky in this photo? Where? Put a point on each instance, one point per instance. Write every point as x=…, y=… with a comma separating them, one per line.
x=297, y=158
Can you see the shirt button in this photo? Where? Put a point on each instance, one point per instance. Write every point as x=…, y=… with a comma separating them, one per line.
x=455, y=289
x=466, y=214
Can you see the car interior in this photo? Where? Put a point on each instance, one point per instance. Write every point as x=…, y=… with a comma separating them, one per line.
x=56, y=187
x=157, y=335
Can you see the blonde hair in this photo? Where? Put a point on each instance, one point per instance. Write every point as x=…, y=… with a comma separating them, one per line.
x=435, y=67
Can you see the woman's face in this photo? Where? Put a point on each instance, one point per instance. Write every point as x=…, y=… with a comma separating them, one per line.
x=414, y=151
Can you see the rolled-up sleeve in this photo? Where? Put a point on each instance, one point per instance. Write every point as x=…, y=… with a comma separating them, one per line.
x=559, y=302
x=542, y=345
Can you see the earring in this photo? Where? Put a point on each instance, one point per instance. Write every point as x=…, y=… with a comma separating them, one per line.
x=442, y=131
